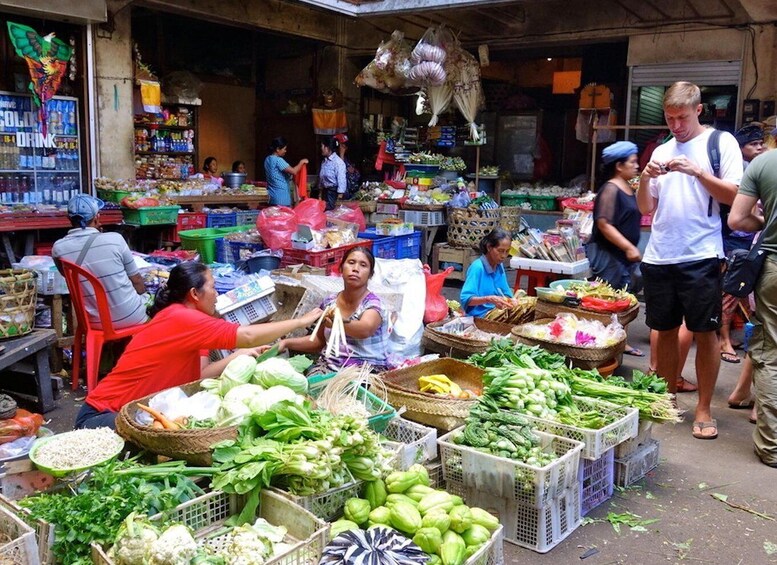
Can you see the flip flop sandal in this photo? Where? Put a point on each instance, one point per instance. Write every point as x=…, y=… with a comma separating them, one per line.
x=634, y=351
x=685, y=386
x=741, y=405
x=712, y=424
x=729, y=357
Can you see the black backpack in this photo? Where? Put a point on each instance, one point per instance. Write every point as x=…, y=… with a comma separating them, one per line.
x=713, y=152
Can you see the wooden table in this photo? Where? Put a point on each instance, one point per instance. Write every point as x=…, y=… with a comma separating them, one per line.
x=197, y=203
x=28, y=355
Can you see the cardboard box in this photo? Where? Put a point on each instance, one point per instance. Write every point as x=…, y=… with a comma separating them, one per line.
x=385, y=228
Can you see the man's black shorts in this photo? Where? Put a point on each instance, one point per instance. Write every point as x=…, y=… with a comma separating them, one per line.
x=685, y=290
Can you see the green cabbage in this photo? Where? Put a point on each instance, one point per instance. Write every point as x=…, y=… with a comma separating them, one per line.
x=243, y=393
x=232, y=413
x=262, y=403
x=277, y=371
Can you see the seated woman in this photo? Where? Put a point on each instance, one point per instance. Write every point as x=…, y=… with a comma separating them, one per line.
x=364, y=320
x=172, y=349
x=485, y=285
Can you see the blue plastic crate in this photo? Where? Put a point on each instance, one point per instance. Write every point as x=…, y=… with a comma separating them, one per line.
x=227, y=220
x=383, y=247
x=241, y=250
x=223, y=254
x=409, y=246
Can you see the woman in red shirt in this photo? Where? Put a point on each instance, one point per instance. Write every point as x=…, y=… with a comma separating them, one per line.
x=172, y=349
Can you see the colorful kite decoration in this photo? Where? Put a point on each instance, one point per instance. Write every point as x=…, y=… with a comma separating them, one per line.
x=46, y=58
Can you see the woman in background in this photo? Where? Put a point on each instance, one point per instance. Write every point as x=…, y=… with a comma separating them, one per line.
x=485, y=285
x=239, y=167
x=352, y=174
x=279, y=173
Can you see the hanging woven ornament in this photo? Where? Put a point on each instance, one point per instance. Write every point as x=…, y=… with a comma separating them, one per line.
x=73, y=68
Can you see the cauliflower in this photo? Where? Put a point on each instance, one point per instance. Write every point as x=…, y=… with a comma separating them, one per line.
x=245, y=547
x=175, y=546
x=133, y=541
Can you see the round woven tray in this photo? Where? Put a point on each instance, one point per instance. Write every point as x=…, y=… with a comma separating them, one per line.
x=423, y=207
x=583, y=357
x=460, y=346
x=430, y=409
x=510, y=218
x=192, y=446
x=546, y=309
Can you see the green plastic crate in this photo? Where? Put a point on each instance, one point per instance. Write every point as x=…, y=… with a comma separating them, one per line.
x=151, y=216
x=546, y=203
x=113, y=195
x=204, y=240
x=381, y=412
x=514, y=199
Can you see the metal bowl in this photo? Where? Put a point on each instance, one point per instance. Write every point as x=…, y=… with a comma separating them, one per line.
x=233, y=180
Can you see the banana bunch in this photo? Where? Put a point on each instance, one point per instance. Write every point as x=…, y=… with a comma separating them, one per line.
x=520, y=312
x=442, y=385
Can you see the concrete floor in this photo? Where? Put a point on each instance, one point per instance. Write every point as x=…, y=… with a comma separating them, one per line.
x=692, y=527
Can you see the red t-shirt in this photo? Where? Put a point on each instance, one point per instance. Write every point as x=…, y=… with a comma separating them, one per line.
x=164, y=354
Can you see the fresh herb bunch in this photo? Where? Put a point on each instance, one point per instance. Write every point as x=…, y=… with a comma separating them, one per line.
x=94, y=509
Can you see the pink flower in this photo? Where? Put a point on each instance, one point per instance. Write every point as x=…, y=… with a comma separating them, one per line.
x=584, y=339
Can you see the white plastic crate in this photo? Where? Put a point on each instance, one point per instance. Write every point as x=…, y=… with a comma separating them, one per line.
x=329, y=505
x=644, y=435
x=539, y=529
x=206, y=515
x=596, y=441
x=43, y=532
x=418, y=443
x=508, y=478
x=434, y=468
x=596, y=481
x=631, y=469
x=21, y=547
x=492, y=552
x=423, y=217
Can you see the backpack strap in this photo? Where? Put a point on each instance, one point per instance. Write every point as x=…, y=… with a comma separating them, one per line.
x=713, y=152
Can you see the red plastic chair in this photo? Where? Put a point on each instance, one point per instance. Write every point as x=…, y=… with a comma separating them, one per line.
x=95, y=338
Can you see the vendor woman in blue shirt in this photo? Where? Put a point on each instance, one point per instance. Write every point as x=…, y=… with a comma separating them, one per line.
x=485, y=286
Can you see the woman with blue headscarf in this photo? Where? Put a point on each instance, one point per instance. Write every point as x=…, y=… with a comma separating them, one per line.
x=612, y=253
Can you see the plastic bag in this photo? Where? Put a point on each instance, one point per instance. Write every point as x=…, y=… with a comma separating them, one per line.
x=22, y=425
x=276, y=225
x=310, y=212
x=436, y=308
x=388, y=71
x=427, y=58
x=350, y=213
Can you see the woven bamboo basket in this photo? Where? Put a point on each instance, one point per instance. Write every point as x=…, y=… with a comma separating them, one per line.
x=192, y=446
x=546, y=309
x=510, y=218
x=460, y=346
x=423, y=207
x=367, y=206
x=466, y=227
x=18, y=294
x=430, y=409
x=583, y=357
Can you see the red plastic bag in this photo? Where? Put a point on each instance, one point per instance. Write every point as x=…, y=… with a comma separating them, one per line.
x=602, y=305
x=311, y=213
x=349, y=212
x=436, y=306
x=24, y=424
x=276, y=225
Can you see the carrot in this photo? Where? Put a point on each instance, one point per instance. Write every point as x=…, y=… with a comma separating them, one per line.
x=166, y=422
x=157, y=425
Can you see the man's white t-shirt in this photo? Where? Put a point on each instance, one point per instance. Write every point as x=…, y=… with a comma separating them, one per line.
x=683, y=230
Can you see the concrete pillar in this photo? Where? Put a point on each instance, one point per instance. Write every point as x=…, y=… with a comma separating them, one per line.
x=114, y=85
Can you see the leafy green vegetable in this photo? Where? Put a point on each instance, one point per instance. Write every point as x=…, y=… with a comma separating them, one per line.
x=277, y=371
x=301, y=363
x=95, y=509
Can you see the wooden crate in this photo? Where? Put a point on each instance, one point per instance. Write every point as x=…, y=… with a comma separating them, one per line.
x=444, y=253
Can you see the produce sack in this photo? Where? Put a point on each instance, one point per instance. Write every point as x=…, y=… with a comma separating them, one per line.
x=310, y=212
x=276, y=225
x=376, y=546
x=388, y=71
x=436, y=306
x=24, y=424
x=350, y=213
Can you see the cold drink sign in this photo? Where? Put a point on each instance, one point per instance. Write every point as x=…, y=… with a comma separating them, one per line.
x=32, y=164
